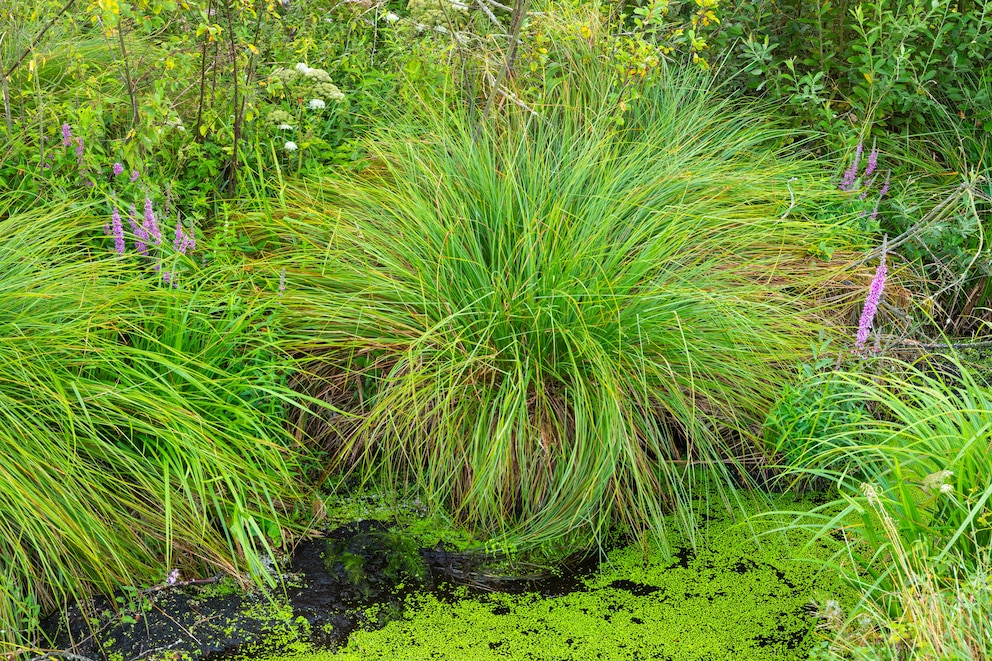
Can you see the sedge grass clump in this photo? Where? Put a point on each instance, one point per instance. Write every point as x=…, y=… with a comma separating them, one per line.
x=142, y=426
x=554, y=323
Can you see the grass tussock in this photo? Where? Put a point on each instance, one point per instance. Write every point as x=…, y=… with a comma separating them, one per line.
x=141, y=426
x=559, y=322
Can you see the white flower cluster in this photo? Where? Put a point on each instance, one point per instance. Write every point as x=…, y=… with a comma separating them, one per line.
x=938, y=481
x=313, y=73
x=328, y=91
x=316, y=104
x=290, y=146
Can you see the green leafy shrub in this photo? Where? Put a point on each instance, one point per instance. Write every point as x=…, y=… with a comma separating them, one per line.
x=820, y=405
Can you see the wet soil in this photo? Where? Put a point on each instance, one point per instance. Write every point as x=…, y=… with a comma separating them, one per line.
x=356, y=576
x=368, y=591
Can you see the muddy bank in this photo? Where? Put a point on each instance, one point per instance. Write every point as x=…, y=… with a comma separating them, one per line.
x=366, y=592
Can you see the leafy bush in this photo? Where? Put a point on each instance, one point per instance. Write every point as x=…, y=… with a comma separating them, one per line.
x=556, y=323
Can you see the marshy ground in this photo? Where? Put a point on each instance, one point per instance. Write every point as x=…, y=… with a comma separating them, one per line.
x=364, y=592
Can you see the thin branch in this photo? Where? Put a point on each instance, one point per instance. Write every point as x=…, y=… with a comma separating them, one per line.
x=127, y=73
x=61, y=655
x=510, y=96
x=519, y=14
x=497, y=4
x=934, y=214
x=232, y=185
x=203, y=79
x=976, y=344
x=38, y=37
x=489, y=12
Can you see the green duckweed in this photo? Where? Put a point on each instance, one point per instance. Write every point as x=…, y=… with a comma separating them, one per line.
x=737, y=598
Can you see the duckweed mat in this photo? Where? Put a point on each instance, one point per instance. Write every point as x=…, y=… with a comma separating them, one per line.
x=733, y=598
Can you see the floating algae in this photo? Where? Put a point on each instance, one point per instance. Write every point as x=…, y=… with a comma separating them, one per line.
x=732, y=599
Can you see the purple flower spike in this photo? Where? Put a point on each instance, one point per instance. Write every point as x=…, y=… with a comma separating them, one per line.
x=79, y=147
x=885, y=186
x=118, y=229
x=150, y=225
x=872, y=162
x=851, y=173
x=66, y=135
x=134, y=176
x=871, y=302
x=118, y=169
x=177, y=241
x=140, y=233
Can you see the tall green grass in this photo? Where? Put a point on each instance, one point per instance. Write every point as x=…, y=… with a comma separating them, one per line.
x=915, y=507
x=142, y=427
x=570, y=321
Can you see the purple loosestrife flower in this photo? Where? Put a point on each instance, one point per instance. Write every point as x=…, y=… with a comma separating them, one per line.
x=118, y=229
x=177, y=241
x=851, y=174
x=885, y=186
x=134, y=176
x=183, y=242
x=173, y=577
x=871, y=302
x=79, y=147
x=66, y=135
x=118, y=169
x=140, y=233
x=872, y=162
x=150, y=225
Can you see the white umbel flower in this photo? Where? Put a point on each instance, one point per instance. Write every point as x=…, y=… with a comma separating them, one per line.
x=285, y=127
x=947, y=489
x=290, y=146
x=391, y=17
x=316, y=104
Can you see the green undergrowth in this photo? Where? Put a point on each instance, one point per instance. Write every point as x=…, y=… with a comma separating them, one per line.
x=734, y=598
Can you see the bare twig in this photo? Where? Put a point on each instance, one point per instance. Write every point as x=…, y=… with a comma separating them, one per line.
x=232, y=185
x=38, y=37
x=156, y=649
x=497, y=4
x=203, y=80
x=127, y=73
x=182, y=584
x=489, y=12
x=510, y=96
x=933, y=215
x=519, y=14
x=61, y=655
x=975, y=344
x=6, y=98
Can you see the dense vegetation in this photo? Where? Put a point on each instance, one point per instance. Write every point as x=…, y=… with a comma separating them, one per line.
x=555, y=268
